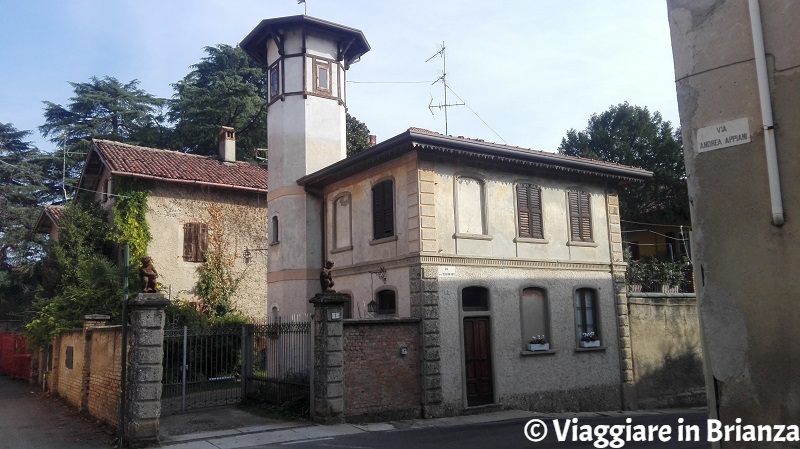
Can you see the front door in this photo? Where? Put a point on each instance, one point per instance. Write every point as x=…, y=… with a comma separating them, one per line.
x=478, y=361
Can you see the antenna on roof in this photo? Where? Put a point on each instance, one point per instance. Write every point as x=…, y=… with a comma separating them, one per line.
x=443, y=79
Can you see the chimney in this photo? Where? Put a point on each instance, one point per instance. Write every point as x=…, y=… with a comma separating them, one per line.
x=227, y=144
x=373, y=140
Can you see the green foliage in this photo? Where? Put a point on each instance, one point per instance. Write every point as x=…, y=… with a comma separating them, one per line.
x=130, y=217
x=357, y=136
x=217, y=282
x=22, y=191
x=631, y=135
x=102, y=109
x=225, y=88
x=78, y=277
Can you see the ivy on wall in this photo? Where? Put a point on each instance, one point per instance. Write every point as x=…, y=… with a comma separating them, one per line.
x=130, y=217
x=217, y=280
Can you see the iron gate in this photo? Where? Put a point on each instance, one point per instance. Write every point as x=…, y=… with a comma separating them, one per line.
x=212, y=367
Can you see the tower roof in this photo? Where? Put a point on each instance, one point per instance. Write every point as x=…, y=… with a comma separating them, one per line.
x=352, y=43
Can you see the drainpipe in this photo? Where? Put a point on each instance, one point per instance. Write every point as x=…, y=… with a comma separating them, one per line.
x=766, y=114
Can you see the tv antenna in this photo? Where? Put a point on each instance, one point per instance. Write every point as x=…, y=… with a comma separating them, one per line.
x=443, y=79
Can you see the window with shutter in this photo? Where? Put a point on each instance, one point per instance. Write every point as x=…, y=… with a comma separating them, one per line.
x=580, y=216
x=586, y=313
x=383, y=210
x=529, y=211
x=195, y=241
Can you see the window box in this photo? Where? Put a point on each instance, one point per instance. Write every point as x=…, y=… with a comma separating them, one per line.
x=538, y=347
x=590, y=344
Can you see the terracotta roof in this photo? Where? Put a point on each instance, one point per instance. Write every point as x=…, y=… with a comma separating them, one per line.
x=49, y=218
x=141, y=162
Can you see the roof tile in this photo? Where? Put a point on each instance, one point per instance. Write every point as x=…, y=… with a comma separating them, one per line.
x=131, y=160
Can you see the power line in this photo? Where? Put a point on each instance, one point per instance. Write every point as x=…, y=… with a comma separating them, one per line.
x=476, y=115
x=391, y=82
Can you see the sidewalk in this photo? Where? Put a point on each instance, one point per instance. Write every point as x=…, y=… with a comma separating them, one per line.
x=283, y=432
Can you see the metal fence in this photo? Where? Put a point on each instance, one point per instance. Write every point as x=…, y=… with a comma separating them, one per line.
x=211, y=367
x=278, y=364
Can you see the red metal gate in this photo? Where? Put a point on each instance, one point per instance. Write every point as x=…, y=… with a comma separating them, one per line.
x=15, y=360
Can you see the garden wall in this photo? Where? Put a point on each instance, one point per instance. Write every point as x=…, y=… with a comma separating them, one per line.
x=667, y=354
x=380, y=381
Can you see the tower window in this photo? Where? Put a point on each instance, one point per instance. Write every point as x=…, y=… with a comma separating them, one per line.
x=322, y=71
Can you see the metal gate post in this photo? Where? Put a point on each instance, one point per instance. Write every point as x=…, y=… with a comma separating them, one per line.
x=184, y=367
x=243, y=370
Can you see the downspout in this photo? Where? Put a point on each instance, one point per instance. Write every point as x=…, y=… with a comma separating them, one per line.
x=773, y=173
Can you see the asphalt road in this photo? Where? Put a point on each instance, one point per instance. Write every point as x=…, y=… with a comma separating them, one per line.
x=505, y=435
x=31, y=420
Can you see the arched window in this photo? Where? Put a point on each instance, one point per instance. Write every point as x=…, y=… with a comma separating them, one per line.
x=274, y=230
x=586, y=316
x=387, y=302
x=474, y=299
x=341, y=222
x=470, y=217
x=535, y=315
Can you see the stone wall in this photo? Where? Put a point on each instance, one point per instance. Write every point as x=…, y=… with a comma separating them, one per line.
x=69, y=368
x=380, y=382
x=667, y=355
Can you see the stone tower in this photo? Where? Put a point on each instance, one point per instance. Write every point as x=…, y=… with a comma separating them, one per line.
x=305, y=59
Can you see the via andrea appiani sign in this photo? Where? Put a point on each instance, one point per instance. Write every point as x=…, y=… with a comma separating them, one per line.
x=723, y=135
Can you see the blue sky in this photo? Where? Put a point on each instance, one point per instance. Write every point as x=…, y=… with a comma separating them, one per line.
x=531, y=69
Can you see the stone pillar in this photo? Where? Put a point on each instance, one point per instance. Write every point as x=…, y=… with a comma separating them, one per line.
x=425, y=305
x=328, y=396
x=146, y=351
x=618, y=267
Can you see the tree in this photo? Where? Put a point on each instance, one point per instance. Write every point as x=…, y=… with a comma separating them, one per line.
x=22, y=191
x=357, y=136
x=225, y=88
x=631, y=135
x=101, y=109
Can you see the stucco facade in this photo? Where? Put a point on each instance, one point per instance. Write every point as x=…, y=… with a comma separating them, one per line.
x=491, y=255
x=744, y=247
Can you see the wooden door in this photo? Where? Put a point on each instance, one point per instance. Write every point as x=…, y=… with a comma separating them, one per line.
x=478, y=361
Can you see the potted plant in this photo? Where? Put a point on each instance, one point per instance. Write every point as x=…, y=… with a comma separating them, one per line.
x=538, y=343
x=590, y=340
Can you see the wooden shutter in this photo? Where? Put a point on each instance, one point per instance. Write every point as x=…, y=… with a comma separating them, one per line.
x=382, y=210
x=586, y=217
x=580, y=216
x=523, y=211
x=529, y=211
x=195, y=241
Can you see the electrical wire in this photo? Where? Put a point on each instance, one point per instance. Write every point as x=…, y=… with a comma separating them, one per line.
x=476, y=114
x=657, y=224
x=390, y=82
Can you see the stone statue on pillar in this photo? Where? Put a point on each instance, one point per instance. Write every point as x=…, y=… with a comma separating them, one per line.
x=148, y=274
x=325, y=277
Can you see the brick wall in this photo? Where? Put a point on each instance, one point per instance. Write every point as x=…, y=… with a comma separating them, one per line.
x=92, y=383
x=104, y=374
x=379, y=382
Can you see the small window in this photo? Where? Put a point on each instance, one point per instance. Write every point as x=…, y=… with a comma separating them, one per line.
x=347, y=307
x=474, y=299
x=195, y=242
x=580, y=216
x=274, y=230
x=529, y=211
x=322, y=70
x=586, y=313
x=535, y=315
x=274, y=82
x=387, y=302
x=68, y=359
x=383, y=210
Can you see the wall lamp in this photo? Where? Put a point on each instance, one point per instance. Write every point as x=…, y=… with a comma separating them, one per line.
x=247, y=255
